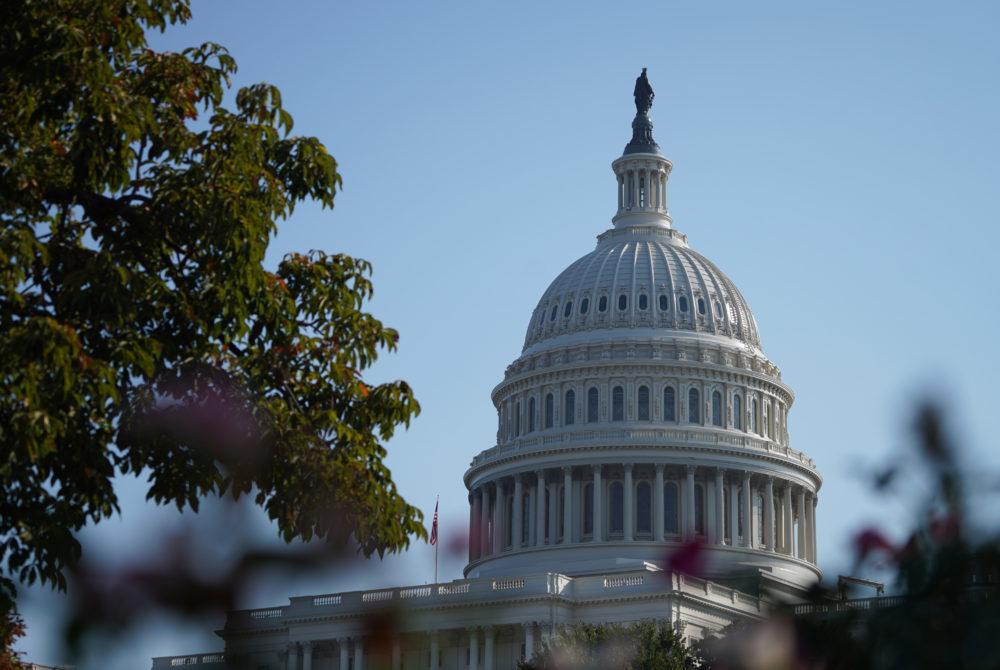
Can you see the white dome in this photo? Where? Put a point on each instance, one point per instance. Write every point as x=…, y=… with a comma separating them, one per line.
x=644, y=278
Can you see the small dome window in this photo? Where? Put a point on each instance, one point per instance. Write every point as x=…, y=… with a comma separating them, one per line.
x=541, y=318
x=701, y=306
x=643, y=301
x=569, y=308
x=682, y=303
x=622, y=302
x=552, y=315
x=602, y=304
x=718, y=310
x=664, y=303
x=584, y=305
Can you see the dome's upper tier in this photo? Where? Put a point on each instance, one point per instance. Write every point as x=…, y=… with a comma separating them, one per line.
x=642, y=278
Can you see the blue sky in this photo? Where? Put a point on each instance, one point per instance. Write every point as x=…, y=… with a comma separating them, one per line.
x=836, y=160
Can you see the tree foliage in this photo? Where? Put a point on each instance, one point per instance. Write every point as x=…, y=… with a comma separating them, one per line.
x=140, y=332
x=645, y=645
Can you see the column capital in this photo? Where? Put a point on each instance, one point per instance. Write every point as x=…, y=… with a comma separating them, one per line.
x=746, y=475
x=306, y=644
x=597, y=467
x=719, y=471
x=769, y=479
x=540, y=473
x=628, y=466
x=659, y=467
x=567, y=469
x=689, y=469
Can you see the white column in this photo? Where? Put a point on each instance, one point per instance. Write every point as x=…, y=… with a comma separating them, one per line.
x=518, y=513
x=747, y=512
x=475, y=551
x=720, y=507
x=689, y=530
x=734, y=514
x=540, y=509
x=435, y=651
x=812, y=523
x=553, y=512
x=484, y=522
x=629, y=526
x=293, y=657
x=529, y=640
x=598, y=512
x=345, y=653
x=803, y=538
x=567, y=505
x=497, y=518
x=621, y=189
x=397, y=655
x=359, y=654
x=473, y=649
x=786, y=514
x=307, y=655
x=488, y=649
x=658, y=504
x=769, y=514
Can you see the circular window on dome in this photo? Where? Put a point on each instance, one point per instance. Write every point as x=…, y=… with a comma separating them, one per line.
x=664, y=303
x=602, y=304
x=682, y=303
x=622, y=302
x=643, y=301
x=552, y=315
x=584, y=305
x=569, y=308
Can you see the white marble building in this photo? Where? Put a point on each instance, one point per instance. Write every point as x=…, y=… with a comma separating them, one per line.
x=642, y=415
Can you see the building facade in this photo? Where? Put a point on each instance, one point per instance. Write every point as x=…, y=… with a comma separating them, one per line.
x=642, y=421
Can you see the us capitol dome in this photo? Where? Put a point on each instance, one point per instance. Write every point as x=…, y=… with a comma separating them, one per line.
x=642, y=421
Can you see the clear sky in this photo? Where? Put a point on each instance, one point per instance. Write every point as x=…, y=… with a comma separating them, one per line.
x=836, y=160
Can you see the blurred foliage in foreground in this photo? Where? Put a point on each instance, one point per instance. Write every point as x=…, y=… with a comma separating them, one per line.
x=140, y=332
x=639, y=646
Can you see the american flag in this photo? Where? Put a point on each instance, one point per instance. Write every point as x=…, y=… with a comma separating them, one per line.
x=434, y=526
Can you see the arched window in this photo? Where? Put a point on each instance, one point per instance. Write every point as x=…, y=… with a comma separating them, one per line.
x=643, y=402
x=671, y=509
x=753, y=415
x=550, y=410
x=737, y=412
x=618, y=404
x=588, y=509
x=643, y=301
x=517, y=419
x=642, y=191
x=664, y=303
x=584, y=305
x=682, y=303
x=644, y=508
x=568, y=309
x=669, y=404
x=716, y=408
x=701, y=306
x=699, y=509
x=531, y=415
x=569, y=408
x=592, y=397
x=694, y=406
x=622, y=302
x=552, y=314
x=602, y=304
x=616, y=508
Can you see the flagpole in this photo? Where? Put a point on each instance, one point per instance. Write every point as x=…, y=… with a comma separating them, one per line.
x=436, y=543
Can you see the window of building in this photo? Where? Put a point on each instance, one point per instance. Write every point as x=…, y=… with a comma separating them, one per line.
x=643, y=301
x=584, y=305
x=550, y=410
x=694, y=406
x=517, y=419
x=622, y=302
x=569, y=408
x=602, y=304
x=588, y=509
x=737, y=412
x=701, y=306
x=669, y=404
x=716, y=408
x=664, y=303
x=592, y=397
x=753, y=415
x=618, y=404
x=644, y=508
x=541, y=318
x=552, y=314
x=682, y=303
x=643, y=403
x=671, y=509
x=568, y=309
x=699, y=509
x=616, y=508
x=531, y=415
x=642, y=191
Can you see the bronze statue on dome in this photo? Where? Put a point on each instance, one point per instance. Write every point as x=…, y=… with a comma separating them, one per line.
x=643, y=93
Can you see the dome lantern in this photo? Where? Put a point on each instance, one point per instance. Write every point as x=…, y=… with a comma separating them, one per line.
x=642, y=171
